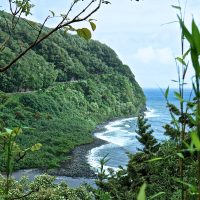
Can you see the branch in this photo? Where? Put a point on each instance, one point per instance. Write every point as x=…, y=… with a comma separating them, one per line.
x=85, y=8
x=40, y=31
x=21, y=156
x=58, y=27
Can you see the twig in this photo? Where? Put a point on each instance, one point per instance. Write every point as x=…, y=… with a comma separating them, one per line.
x=58, y=27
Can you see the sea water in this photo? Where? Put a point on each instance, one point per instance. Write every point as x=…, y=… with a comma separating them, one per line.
x=121, y=135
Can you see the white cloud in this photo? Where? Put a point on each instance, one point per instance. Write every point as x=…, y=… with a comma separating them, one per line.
x=150, y=54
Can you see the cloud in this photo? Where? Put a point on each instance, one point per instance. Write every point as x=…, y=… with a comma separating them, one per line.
x=150, y=54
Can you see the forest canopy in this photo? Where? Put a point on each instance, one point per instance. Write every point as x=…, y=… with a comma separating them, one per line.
x=61, y=82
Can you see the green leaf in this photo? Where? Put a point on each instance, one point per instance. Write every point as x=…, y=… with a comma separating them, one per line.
x=36, y=147
x=178, y=96
x=195, y=140
x=93, y=26
x=196, y=36
x=84, y=33
x=180, y=155
x=53, y=13
x=195, y=61
x=181, y=61
x=156, y=195
x=29, y=128
x=155, y=159
x=190, y=186
x=92, y=20
x=142, y=195
x=166, y=92
x=106, y=2
x=16, y=132
x=8, y=130
x=185, y=31
x=186, y=53
x=176, y=7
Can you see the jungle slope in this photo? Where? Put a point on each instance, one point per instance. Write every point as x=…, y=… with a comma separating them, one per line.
x=63, y=89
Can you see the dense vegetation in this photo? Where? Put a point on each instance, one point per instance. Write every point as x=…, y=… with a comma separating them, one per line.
x=62, y=88
x=60, y=58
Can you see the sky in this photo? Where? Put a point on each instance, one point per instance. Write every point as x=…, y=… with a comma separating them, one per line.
x=138, y=32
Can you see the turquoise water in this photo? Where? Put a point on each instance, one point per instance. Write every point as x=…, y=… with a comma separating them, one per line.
x=121, y=134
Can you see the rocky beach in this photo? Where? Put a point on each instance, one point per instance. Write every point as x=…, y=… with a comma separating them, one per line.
x=78, y=166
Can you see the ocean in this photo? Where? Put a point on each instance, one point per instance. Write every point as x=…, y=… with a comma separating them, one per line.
x=121, y=136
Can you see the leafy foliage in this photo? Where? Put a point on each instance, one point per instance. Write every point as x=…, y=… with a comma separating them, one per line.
x=63, y=88
x=62, y=57
x=160, y=175
x=145, y=136
x=43, y=187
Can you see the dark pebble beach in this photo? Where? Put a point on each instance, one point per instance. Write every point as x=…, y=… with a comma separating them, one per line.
x=78, y=166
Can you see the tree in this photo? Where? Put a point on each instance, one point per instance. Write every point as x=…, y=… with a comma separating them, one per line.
x=193, y=38
x=145, y=136
x=19, y=8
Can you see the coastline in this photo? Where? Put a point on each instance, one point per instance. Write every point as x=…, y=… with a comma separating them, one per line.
x=74, y=172
x=77, y=166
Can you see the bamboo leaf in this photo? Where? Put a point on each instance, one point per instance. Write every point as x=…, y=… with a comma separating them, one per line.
x=142, y=195
x=185, y=31
x=181, y=61
x=195, y=61
x=155, y=159
x=195, y=140
x=186, y=53
x=178, y=96
x=176, y=7
x=157, y=195
x=196, y=36
x=191, y=187
x=180, y=155
x=166, y=92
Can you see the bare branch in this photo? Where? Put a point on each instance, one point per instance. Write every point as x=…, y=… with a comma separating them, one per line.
x=21, y=156
x=58, y=27
x=42, y=27
x=85, y=9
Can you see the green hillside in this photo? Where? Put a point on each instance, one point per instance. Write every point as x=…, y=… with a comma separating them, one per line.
x=62, y=88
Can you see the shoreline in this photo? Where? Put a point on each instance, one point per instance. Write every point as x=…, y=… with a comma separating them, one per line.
x=77, y=166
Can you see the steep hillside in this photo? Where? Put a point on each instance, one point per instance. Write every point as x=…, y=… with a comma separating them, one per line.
x=63, y=88
x=62, y=57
